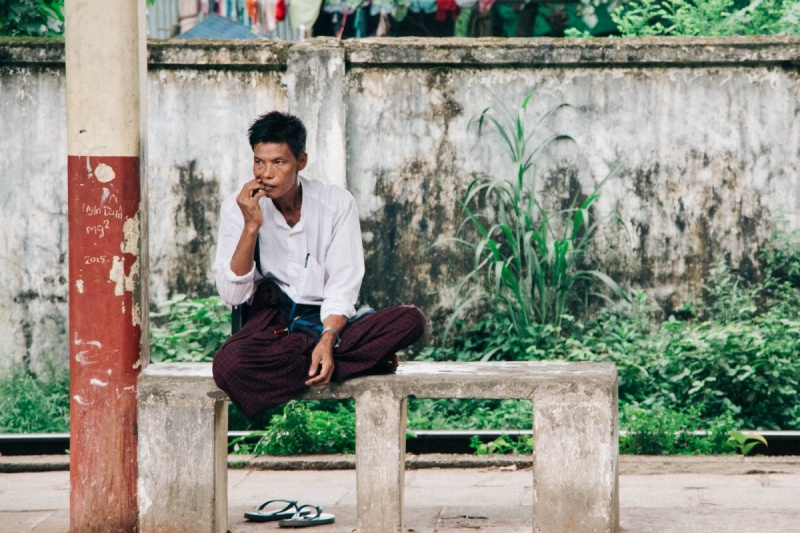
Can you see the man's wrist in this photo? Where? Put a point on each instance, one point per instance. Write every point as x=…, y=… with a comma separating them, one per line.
x=330, y=335
x=251, y=229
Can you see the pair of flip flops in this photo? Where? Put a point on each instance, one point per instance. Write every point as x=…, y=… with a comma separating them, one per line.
x=291, y=515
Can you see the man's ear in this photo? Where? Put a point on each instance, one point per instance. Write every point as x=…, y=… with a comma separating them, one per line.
x=302, y=161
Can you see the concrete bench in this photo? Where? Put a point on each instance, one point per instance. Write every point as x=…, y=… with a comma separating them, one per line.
x=183, y=422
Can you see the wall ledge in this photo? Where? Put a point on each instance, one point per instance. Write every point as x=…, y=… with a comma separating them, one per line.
x=272, y=54
x=655, y=51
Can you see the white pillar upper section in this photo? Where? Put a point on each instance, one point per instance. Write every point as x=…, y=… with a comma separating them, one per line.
x=105, y=115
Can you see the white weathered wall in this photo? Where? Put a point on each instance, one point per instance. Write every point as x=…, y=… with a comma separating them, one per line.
x=708, y=131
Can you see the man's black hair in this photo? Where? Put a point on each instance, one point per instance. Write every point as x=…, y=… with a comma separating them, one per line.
x=280, y=128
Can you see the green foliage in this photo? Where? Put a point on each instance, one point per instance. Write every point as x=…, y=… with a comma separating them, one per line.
x=744, y=444
x=639, y=18
x=735, y=354
x=34, y=404
x=300, y=430
x=188, y=330
x=32, y=18
x=504, y=444
x=661, y=431
x=469, y=414
x=527, y=259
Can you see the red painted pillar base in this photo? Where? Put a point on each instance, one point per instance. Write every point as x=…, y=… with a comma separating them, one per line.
x=105, y=344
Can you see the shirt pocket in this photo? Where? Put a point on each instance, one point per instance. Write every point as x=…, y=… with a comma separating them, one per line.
x=312, y=280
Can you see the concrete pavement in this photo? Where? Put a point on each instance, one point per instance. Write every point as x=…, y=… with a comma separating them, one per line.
x=658, y=495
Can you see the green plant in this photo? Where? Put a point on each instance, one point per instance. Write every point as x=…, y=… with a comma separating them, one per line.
x=661, y=431
x=735, y=354
x=527, y=260
x=502, y=445
x=639, y=18
x=31, y=403
x=300, y=430
x=744, y=443
x=33, y=18
x=469, y=414
x=186, y=330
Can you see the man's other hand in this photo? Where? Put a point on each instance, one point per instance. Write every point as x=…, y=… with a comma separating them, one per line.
x=248, y=199
x=321, y=363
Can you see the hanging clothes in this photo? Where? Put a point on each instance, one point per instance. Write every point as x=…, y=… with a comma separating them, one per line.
x=378, y=7
x=304, y=12
x=384, y=25
x=266, y=11
x=509, y=18
x=445, y=7
x=462, y=26
x=484, y=6
x=400, y=9
x=423, y=6
x=360, y=23
x=280, y=10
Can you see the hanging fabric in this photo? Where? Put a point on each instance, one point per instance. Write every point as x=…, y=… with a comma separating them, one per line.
x=462, y=26
x=484, y=6
x=280, y=10
x=445, y=7
x=267, y=21
x=378, y=7
x=304, y=12
x=360, y=23
x=423, y=6
x=384, y=25
x=400, y=9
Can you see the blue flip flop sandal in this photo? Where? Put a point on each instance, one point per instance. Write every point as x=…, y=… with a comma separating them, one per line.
x=287, y=512
x=306, y=519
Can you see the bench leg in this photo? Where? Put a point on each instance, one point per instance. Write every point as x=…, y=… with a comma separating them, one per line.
x=380, y=461
x=575, y=448
x=183, y=460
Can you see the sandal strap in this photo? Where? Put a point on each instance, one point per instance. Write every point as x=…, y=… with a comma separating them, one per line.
x=300, y=508
x=289, y=505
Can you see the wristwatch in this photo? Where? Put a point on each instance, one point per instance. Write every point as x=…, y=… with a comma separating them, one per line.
x=335, y=334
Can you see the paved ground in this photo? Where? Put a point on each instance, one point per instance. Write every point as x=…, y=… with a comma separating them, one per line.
x=656, y=495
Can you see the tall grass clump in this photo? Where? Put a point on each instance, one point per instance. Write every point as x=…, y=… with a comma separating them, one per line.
x=527, y=267
x=34, y=403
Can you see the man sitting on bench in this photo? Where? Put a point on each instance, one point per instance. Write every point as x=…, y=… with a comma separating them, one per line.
x=290, y=247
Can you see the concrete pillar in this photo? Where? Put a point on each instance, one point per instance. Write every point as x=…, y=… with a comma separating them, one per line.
x=106, y=65
x=178, y=419
x=575, y=446
x=315, y=90
x=380, y=460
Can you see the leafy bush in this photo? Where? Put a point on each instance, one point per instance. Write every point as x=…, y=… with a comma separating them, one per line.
x=188, y=330
x=735, y=355
x=660, y=431
x=301, y=430
x=504, y=444
x=638, y=18
x=34, y=404
x=469, y=414
x=33, y=18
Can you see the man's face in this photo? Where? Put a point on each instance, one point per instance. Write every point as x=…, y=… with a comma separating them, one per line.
x=276, y=168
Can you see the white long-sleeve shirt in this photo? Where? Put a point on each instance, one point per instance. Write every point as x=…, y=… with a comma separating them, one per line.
x=319, y=261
